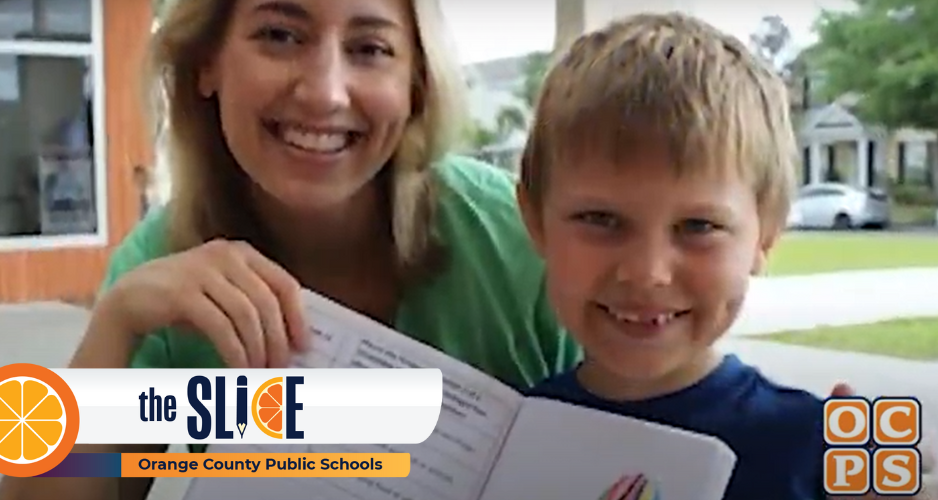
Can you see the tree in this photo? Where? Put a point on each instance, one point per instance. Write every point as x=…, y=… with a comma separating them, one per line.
x=509, y=119
x=771, y=40
x=514, y=117
x=534, y=70
x=886, y=51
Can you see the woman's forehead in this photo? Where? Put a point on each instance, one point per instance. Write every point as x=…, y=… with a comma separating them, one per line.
x=358, y=13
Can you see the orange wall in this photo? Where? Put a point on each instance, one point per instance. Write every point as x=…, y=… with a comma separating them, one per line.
x=74, y=274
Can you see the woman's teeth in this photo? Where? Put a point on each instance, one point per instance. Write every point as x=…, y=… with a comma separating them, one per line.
x=316, y=142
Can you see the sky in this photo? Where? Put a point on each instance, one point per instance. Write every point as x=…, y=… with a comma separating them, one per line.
x=515, y=27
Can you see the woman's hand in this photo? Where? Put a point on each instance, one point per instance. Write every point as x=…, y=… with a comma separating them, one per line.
x=245, y=304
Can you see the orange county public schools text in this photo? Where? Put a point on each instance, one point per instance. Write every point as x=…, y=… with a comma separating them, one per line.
x=302, y=463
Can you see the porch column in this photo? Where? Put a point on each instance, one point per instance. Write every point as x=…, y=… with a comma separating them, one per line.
x=815, y=156
x=40, y=17
x=880, y=168
x=570, y=22
x=863, y=161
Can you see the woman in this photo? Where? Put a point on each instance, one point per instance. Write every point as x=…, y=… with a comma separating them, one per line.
x=308, y=140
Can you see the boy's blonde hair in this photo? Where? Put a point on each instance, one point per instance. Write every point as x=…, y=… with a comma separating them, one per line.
x=208, y=187
x=673, y=77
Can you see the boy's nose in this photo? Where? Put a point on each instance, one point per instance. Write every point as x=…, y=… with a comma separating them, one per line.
x=646, y=266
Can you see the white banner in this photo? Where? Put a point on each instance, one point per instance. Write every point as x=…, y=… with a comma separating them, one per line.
x=182, y=406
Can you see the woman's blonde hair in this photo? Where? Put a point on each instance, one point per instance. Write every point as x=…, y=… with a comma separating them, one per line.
x=208, y=187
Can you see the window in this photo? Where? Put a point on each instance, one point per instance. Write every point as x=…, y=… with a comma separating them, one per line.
x=52, y=166
x=818, y=191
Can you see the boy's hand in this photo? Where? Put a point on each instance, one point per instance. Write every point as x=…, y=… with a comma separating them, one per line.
x=929, y=489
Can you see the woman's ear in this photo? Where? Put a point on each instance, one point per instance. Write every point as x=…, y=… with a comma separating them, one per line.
x=531, y=215
x=207, y=81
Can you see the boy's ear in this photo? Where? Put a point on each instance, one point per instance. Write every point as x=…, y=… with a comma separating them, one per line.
x=767, y=242
x=531, y=216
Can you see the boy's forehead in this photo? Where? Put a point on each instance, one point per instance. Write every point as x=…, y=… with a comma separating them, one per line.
x=596, y=180
x=584, y=166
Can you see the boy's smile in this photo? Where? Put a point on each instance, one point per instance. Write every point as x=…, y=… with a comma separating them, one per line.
x=643, y=323
x=646, y=268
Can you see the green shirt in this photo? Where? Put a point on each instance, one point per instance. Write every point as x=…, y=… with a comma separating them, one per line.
x=487, y=308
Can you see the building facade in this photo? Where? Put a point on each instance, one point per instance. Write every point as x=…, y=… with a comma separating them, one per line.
x=72, y=136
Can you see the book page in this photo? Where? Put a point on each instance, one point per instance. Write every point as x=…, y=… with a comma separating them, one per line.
x=452, y=464
x=558, y=450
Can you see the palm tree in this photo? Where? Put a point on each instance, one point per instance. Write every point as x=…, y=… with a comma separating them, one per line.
x=509, y=119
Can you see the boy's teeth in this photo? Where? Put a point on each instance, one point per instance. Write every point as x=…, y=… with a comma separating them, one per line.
x=653, y=320
x=320, y=143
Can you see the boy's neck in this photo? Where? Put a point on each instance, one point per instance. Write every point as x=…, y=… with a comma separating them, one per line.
x=601, y=383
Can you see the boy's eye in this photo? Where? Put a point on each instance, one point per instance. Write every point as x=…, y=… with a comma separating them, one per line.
x=698, y=226
x=598, y=219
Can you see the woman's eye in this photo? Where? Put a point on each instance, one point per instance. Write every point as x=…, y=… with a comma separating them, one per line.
x=278, y=35
x=598, y=219
x=373, y=50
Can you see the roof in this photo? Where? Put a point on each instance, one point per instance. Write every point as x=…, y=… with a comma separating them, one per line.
x=497, y=72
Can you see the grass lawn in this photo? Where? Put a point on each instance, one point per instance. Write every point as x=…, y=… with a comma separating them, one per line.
x=915, y=339
x=819, y=252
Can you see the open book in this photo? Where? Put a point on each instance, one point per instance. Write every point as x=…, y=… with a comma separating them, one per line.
x=490, y=442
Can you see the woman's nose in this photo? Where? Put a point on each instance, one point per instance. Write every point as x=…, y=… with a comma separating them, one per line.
x=322, y=78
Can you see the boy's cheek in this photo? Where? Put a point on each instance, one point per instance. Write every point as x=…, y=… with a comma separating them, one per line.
x=573, y=259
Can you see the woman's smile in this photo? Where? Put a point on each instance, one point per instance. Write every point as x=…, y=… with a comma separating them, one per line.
x=314, y=143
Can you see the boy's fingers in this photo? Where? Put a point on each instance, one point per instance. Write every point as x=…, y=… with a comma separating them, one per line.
x=842, y=390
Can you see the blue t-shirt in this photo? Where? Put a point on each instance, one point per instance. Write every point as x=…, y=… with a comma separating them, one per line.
x=775, y=431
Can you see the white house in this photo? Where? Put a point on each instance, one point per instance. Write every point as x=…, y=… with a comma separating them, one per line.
x=838, y=146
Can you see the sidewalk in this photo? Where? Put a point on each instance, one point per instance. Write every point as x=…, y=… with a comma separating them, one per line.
x=44, y=333
x=835, y=299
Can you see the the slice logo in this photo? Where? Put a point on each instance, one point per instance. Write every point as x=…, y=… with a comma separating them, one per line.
x=38, y=420
x=273, y=408
x=267, y=408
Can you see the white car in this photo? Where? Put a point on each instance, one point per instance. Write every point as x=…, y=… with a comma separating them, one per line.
x=831, y=205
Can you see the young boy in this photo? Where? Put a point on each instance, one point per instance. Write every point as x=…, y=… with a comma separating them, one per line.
x=656, y=180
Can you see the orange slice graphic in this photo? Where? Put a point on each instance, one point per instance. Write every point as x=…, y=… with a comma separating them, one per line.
x=38, y=420
x=33, y=418
x=267, y=408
